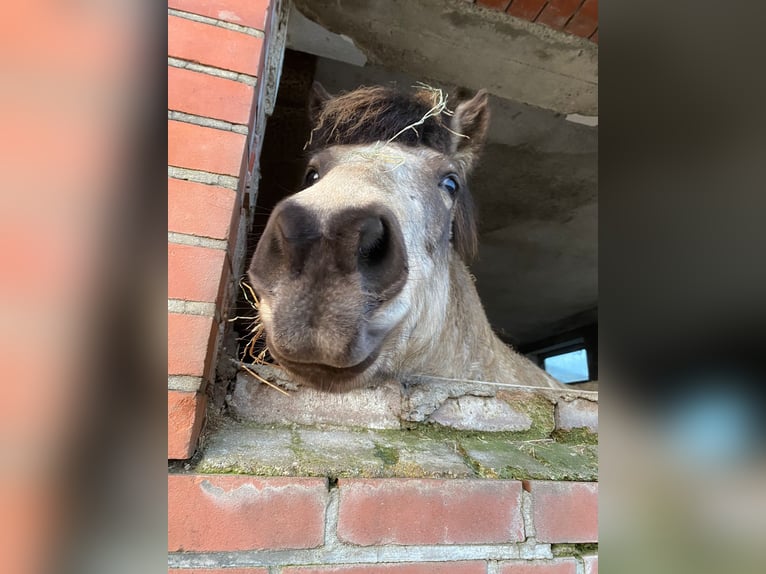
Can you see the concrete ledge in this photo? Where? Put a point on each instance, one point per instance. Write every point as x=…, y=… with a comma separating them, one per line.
x=527, y=413
x=254, y=401
x=429, y=452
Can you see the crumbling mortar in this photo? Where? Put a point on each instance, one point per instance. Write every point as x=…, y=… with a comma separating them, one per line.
x=527, y=514
x=204, y=177
x=207, y=122
x=212, y=71
x=331, y=518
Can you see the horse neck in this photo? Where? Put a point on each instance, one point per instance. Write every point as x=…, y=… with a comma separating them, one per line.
x=466, y=346
x=466, y=326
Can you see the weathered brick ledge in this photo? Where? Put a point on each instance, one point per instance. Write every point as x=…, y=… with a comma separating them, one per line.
x=271, y=450
x=423, y=401
x=455, y=478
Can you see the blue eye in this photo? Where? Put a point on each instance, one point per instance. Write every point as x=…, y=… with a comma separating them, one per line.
x=450, y=184
x=312, y=176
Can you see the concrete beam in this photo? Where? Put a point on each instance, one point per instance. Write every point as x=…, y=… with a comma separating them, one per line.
x=456, y=42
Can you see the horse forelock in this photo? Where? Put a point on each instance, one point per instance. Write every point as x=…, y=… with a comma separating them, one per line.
x=371, y=114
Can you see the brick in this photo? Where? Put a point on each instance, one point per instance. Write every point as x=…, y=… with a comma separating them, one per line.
x=376, y=408
x=585, y=21
x=205, y=149
x=226, y=513
x=472, y=567
x=186, y=411
x=558, y=12
x=564, y=511
x=213, y=46
x=480, y=413
x=209, y=96
x=413, y=511
x=496, y=4
x=195, y=273
x=594, y=36
x=198, y=209
x=526, y=9
x=591, y=564
x=564, y=566
x=219, y=571
x=250, y=13
x=190, y=340
x=577, y=413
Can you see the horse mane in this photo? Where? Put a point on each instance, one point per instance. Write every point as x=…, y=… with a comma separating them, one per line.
x=378, y=113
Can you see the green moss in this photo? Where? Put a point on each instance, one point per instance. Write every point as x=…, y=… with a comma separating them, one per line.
x=244, y=468
x=411, y=470
x=538, y=408
x=566, y=462
x=496, y=458
x=389, y=455
x=574, y=550
x=438, y=432
x=428, y=451
x=575, y=436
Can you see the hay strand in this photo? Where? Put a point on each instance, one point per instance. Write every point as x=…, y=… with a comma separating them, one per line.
x=261, y=379
x=439, y=107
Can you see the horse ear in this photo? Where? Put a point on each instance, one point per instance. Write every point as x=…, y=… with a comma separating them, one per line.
x=317, y=99
x=469, y=126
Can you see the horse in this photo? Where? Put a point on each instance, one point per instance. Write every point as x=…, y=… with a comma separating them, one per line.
x=362, y=274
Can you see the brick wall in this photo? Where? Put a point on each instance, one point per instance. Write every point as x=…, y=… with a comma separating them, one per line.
x=288, y=525
x=578, y=17
x=216, y=58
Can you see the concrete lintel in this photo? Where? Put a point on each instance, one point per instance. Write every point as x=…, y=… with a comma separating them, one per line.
x=304, y=35
x=457, y=43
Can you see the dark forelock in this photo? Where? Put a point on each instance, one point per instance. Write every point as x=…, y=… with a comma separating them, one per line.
x=370, y=114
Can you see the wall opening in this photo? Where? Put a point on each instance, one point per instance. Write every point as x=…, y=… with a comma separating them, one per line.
x=535, y=188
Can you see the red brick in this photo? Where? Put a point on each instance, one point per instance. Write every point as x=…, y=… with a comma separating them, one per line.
x=219, y=571
x=213, y=46
x=585, y=21
x=205, y=149
x=221, y=513
x=594, y=36
x=496, y=4
x=209, y=96
x=526, y=9
x=195, y=273
x=558, y=12
x=190, y=339
x=563, y=566
x=403, y=511
x=198, y=209
x=474, y=567
x=186, y=412
x=250, y=13
x=591, y=564
x=564, y=511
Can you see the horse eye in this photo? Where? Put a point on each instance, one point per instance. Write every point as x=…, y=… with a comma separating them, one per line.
x=312, y=176
x=449, y=184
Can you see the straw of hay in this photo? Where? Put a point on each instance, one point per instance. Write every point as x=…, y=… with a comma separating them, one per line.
x=255, y=335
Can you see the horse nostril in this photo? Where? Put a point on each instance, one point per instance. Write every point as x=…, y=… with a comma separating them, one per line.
x=381, y=256
x=373, y=242
x=291, y=233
